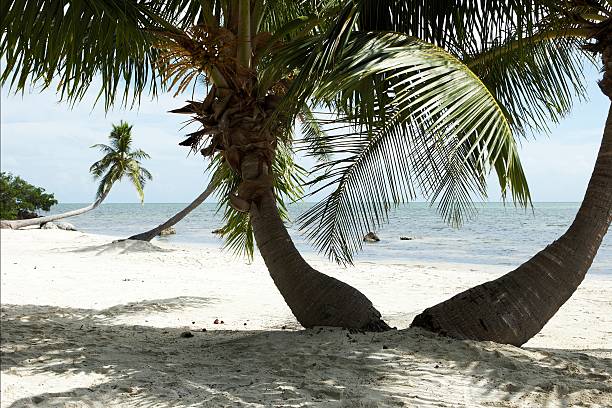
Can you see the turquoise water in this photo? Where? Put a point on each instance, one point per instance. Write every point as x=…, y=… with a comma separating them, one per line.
x=498, y=235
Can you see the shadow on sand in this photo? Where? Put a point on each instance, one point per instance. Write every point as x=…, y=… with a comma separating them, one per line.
x=139, y=366
x=122, y=247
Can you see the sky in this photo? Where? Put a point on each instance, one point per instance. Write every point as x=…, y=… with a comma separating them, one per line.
x=47, y=143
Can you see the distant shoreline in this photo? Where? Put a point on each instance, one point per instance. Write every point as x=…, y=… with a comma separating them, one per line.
x=498, y=235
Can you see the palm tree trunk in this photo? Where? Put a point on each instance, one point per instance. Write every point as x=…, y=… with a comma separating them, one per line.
x=152, y=233
x=16, y=224
x=515, y=307
x=314, y=298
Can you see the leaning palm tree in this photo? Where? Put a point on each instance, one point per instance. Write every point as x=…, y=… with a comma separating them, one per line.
x=515, y=307
x=237, y=229
x=176, y=218
x=388, y=97
x=119, y=161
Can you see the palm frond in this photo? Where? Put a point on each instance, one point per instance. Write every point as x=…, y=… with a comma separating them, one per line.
x=145, y=174
x=105, y=184
x=462, y=27
x=537, y=70
x=103, y=148
x=137, y=177
x=314, y=137
x=121, y=137
x=537, y=83
x=276, y=14
x=415, y=118
x=139, y=154
x=238, y=233
x=237, y=230
x=43, y=41
x=98, y=168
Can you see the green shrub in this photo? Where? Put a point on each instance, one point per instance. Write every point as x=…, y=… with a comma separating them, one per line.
x=18, y=197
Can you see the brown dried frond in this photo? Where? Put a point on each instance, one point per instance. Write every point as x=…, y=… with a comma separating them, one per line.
x=184, y=56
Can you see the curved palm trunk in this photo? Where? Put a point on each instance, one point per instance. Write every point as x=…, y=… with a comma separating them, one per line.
x=515, y=307
x=314, y=298
x=16, y=224
x=152, y=233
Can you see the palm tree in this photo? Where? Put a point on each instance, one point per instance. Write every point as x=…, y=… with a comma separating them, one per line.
x=237, y=228
x=119, y=161
x=515, y=307
x=404, y=111
x=153, y=232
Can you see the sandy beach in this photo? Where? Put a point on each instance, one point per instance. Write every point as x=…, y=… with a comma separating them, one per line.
x=86, y=323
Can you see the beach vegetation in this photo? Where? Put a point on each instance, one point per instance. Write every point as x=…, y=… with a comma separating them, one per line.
x=20, y=199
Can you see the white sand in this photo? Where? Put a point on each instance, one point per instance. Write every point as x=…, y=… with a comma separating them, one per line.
x=85, y=323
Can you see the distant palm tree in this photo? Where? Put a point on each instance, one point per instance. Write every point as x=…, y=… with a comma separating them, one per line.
x=237, y=229
x=118, y=162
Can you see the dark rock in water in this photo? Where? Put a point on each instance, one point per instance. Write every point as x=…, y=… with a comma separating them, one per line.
x=371, y=237
x=186, y=334
x=167, y=231
x=26, y=215
x=406, y=238
x=218, y=231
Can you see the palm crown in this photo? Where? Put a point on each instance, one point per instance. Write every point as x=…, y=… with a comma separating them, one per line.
x=396, y=99
x=120, y=161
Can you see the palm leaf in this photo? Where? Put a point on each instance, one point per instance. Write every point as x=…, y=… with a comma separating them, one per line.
x=103, y=148
x=139, y=154
x=137, y=177
x=314, y=136
x=98, y=168
x=537, y=83
x=424, y=121
x=43, y=42
x=106, y=183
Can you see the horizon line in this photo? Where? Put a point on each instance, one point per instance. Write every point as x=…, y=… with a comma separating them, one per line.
x=315, y=202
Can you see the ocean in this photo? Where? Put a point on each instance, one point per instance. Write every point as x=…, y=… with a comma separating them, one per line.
x=497, y=235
